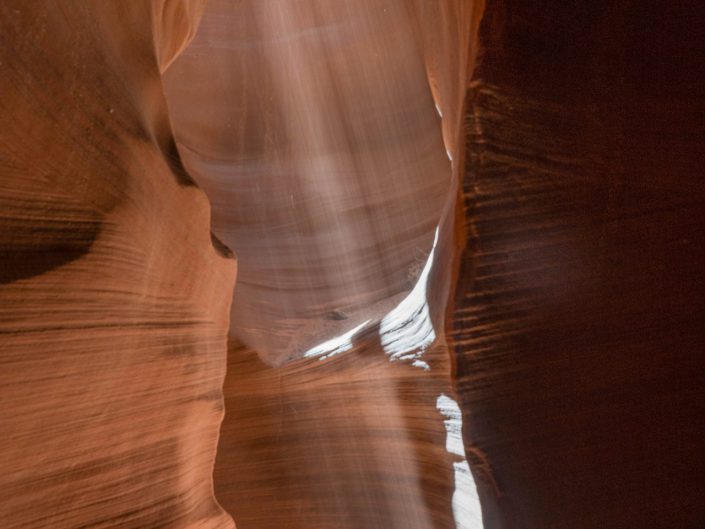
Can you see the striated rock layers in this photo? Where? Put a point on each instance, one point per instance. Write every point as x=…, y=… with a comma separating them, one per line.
x=578, y=324
x=315, y=127
x=114, y=298
x=336, y=134
x=328, y=138
x=354, y=441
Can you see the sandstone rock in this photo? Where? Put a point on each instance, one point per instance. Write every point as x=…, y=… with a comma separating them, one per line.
x=578, y=322
x=113, y=298
x=315, y=129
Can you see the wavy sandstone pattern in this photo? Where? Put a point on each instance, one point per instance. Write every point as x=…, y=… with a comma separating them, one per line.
x=353, y=441
x=562, y=254
x=332, y=111
x=578, y=324
x=114, y=300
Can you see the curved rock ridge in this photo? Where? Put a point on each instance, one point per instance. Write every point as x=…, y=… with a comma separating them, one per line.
x=315, y=129
x=114, y=301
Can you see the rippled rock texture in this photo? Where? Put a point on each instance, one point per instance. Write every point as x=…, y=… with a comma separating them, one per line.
x=350, y=442
x=313, y=128
x=551, y=272
x=113, y=298
x=328, y=137
x=578, y=324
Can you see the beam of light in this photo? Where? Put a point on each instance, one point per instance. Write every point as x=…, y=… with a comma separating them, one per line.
x=336, y=345
x=466, y=503
x=407, y=331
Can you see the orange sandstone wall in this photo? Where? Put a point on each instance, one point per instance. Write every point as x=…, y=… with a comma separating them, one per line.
x=114, y=299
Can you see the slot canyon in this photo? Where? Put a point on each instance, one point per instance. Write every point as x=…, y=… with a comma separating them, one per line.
x=352, y=264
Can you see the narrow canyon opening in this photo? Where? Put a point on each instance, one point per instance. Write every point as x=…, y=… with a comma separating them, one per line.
x=317, y=130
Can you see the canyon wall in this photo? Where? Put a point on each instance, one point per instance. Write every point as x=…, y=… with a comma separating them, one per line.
x=578, y=323
x=328, y=136
x=323, y=133
x=546, y=279
x=114, y=297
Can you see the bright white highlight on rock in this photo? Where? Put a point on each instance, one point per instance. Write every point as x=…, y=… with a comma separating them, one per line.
x=407, y=331
x=466, y=503
x=420, y=363
x=336, y=345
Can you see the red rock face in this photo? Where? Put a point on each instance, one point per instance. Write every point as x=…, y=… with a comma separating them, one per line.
x=347, y=119
x=324, y=109
x=352, y=441
x=578, y=325
x=116, y=297
x=561, y=252
x=114, y=300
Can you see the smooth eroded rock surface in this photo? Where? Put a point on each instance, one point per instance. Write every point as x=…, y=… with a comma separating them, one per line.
x=328, y=139
x=348, y=442
x=315, y=129
x=113, y=299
